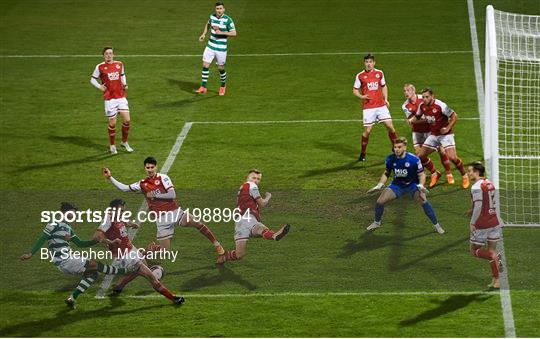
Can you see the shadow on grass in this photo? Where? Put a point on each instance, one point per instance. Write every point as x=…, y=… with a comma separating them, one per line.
x=89, y=159
x=78, y=141
x=34, y=328
x=209, y=279
x=186, y=86
x=446, y=306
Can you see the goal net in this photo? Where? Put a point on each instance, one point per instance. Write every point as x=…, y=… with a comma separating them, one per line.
x=511, y=122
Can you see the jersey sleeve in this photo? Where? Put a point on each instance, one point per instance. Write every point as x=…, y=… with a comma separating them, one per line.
x=476, y=194
x=357, y=83
x=105, y=224
x=406, y=110
x=419, y=166
x=230, y=25
x=388, y=164
x=136, y=187
x=383, y=80
x=166, y=181
x=254, y=191
x=96, y=73
x=445, y=109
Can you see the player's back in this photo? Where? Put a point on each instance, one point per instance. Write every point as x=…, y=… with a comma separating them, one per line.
x=484, y=191
x=247, y=199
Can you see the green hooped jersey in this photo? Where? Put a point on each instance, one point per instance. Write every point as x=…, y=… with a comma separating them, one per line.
x=57, y=243
x=218, y=42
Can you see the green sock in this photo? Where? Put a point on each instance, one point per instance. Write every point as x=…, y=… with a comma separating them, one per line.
x=84, y=284
x=223, y=77
x=108, y=269
x=205, y=73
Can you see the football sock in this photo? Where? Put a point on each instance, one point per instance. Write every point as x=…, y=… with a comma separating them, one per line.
x=204, y=75
x=392, y=136
x=445, y=162
x=379, y=210
x=459, y=165
x=429, y=165
x=207, y=233
x=365, y=141
x=223, y=77
x=430, y=212
x=493, y=261
x=84, y=284
x=108, y=269
x=231, y=255
x=112, y=134
x=159, y=287
x=268, y=235
x=125, y=131
x=126, y=280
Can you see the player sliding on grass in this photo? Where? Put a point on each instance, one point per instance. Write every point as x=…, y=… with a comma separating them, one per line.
x=161, y=198
x=370, y=87
x=126, y=255
x=113, y=85
x=58, y=235
x=441, y=119
x=421, y=131
x=221, y=28
x=249, y=200
x=409, y=178
x=485, y=225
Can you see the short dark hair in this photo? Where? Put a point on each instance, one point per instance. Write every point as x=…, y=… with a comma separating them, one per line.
x=400, y=140
x=67, y=206
x=117, y=203
x=427, y=89
x=150, y=160
x=105, y=49
x=369, y=56
x=220, y=3
x=477, y=166
x=254, y=170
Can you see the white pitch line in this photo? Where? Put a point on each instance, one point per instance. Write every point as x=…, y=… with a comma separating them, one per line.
x=506, y=302
x=52, y=56
x=106, y=283
x=242, y=122
x=314, y=294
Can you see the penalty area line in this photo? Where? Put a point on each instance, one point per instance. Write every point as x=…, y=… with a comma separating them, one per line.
x=316, y=294
x=246, y=122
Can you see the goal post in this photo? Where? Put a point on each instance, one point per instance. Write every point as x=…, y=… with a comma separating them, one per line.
x=511, y=121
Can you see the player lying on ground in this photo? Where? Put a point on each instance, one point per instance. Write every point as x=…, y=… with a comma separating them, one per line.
x=221, y=28
x=409, y=178
x=421, y=131
x=441, y=119
x=126, y=255
x=161, y=197
x=486, y=224
x=370, y=87
x=113, y=85
x=249, y=201
x=58, y=235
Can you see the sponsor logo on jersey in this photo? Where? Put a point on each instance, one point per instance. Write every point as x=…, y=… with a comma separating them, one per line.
x=113, y=75
x=401, y=172
x=373, y=85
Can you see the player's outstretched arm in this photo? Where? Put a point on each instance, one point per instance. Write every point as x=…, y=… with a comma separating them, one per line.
x=37, y=245
x=122, y=187
x=82, y=243
x=264, y=202
x=205, y=30
x=380, y=185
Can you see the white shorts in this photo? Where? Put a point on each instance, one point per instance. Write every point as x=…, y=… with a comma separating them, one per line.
x=419, y=138
x=243, y=228
x=374, y=115
x=112, y=106
x=131, y=260
x=165, y=228
x=209, y=55
x=436, y=141
x=73, y=266
x=482, y=236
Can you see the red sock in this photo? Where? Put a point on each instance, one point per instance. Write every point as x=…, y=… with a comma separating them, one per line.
x=459, y=165
x=494, y=268
x=207, y=233
x=231, y=255
x=159, y=287
x=365, y=141
x=125, y=131
x=112, y=134
x=267, y=234
x=493, y=260
x=445, y=162
x=483, y=254
x=126, y=280
x=392, y=136
x=429, y=165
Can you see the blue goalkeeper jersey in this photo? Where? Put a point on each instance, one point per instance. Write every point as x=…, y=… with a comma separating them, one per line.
x=405, y=169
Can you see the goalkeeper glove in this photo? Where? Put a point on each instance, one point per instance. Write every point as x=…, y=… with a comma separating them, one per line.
x=378, y=187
